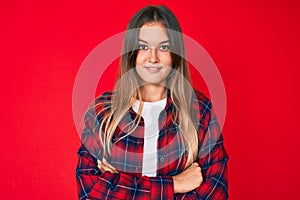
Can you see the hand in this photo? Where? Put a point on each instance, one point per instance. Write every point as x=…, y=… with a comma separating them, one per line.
x=188, y=180
x=105, y=166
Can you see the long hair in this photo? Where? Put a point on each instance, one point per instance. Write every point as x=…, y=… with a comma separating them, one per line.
x=127, y=86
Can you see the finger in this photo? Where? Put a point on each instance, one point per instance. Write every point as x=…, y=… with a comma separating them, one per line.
x=109, y=165
x=105, y=168
x=196, y=165
x=99, y=163
x=193, y=165
x=100, y=166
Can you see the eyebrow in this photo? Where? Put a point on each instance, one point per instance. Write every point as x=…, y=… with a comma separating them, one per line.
x=162, y=42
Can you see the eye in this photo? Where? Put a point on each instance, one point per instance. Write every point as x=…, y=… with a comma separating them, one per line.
x=143, y=47
x=164, y=47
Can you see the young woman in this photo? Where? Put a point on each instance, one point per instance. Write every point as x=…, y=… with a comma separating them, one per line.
x=154, y=136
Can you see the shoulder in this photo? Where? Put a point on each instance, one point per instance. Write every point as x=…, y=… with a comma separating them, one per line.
x=105, y=96
x=201, y=102
x=98, y=108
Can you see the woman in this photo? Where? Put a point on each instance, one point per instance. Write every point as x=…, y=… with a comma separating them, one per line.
x=153, y=137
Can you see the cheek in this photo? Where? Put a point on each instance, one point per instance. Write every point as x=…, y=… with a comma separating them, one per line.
x=169, y=70
x=140, y=58
x=167, y=60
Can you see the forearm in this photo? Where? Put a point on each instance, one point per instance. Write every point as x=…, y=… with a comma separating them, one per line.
x=112, y=186
x=214, y=174
x=214, y=185
x=92, y=184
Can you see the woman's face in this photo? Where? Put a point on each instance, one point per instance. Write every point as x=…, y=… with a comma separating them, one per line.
x=153, y=62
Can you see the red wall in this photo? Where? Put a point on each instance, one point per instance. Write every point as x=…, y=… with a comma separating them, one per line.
x=255, y=45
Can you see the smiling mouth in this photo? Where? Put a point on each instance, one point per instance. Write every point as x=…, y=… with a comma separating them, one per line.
x=153, y=68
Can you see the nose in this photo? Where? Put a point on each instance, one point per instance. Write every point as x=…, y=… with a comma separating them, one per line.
x=153, y=55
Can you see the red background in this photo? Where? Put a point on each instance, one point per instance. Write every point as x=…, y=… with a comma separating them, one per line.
x=255, y=45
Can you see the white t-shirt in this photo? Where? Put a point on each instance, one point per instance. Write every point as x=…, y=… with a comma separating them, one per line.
x=150, y=114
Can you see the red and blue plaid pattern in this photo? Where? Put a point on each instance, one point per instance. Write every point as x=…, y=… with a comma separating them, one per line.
x=127, y=156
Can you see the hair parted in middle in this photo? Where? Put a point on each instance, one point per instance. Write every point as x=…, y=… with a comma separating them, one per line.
x=128, y=83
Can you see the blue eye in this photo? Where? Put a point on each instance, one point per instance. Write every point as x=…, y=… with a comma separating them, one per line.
x=164, y=47
x=143, y=47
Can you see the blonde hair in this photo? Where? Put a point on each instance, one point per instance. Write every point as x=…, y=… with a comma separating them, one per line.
x=128, y=82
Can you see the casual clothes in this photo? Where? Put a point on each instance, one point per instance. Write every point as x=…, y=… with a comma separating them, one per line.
x=127, y=156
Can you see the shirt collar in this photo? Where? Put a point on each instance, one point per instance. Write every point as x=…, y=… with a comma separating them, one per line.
x=168, y=107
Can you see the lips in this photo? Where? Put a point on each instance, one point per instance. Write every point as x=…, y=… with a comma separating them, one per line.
x=153, y=69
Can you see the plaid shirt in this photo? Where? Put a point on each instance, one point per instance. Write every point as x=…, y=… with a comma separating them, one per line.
x=127, y=156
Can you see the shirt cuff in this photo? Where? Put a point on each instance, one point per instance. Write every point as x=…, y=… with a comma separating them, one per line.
x=162, y=188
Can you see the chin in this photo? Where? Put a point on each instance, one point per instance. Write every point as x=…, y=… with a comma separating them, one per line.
x=155, y=82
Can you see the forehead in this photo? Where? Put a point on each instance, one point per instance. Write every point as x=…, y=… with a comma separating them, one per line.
x=153, y=32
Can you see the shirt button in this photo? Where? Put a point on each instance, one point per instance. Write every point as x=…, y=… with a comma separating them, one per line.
x=162, y=159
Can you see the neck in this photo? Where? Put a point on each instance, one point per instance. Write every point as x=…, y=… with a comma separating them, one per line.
x=153, y=92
